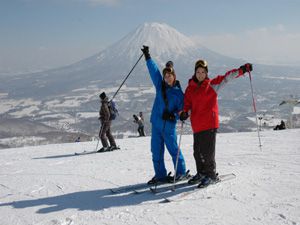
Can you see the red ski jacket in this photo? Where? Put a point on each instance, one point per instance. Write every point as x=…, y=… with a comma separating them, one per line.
x=201, y=99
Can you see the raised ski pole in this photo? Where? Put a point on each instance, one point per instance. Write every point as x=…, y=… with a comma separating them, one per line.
x=177, y=157
x=127, y=77
x=254, y=108
x=118, y=91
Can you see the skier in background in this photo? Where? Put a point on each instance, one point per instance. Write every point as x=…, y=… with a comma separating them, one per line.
x=168, y=101
x=140, y=123
x=281, y=126
x=105, y=130
x=200, y=99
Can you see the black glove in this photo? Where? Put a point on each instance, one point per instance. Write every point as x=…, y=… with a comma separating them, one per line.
x=183, y=116
x=246, y=68
x=145, y=51
x=168, y=116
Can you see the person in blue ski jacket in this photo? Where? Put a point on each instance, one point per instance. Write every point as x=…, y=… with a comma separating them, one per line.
x=167, y=104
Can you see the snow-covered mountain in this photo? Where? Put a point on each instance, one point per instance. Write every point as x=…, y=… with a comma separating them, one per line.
x=112, y=64
x=69, y=95
x=49, y=185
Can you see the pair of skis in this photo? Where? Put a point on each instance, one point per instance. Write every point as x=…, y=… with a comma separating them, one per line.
x=168, y=187
x=144, y=187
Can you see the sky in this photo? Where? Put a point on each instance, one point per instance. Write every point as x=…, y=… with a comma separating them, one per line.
x=42, y=34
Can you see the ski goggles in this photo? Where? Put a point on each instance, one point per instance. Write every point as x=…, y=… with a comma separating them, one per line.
x=201, y=63
x=168, y=70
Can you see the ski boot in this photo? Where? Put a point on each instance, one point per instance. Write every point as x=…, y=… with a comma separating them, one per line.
x=103, y=149
x=196, y=179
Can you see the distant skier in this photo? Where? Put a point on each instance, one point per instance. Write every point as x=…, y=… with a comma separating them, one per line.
x=77, y=139
x=201, y=100
x=140, y=123
x=168, y=101
x=141, y=115
x=281, y=126
x=105, y=130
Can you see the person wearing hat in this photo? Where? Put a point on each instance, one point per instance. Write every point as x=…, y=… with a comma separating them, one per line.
x=105, y=131
x=168, y=102
x=200, y=99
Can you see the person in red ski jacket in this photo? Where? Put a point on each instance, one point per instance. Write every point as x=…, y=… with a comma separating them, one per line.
x=200, y=99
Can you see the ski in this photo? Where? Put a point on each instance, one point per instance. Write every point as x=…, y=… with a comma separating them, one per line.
x=85, y=153
x=139, y=188
x=92, y=152
x=129, y=188
x=135, y=188
x=195, y=188
x=171, y=186
x=157, y=188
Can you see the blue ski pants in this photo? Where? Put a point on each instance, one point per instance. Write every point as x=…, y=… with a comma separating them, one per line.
x=159, y=139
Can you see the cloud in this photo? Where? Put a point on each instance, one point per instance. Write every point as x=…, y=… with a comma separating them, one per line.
x=271, y=45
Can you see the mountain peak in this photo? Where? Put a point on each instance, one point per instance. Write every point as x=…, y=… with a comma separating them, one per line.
x=160, y=37
x=165, y=38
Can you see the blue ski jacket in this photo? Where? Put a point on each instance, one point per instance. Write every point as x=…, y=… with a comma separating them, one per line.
x=174, y=96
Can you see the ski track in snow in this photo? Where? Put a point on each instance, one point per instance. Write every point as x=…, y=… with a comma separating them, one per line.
x=50, y=185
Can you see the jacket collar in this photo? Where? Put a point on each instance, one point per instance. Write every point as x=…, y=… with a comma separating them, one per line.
x=195, y=82
x=176, y=84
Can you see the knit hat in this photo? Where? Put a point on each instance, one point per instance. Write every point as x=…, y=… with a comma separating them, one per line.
x=201, y=63
x=169, y=68
x=169, y=64
x=102, y=95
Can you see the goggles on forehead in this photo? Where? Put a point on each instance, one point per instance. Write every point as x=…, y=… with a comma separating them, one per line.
x=201, y=63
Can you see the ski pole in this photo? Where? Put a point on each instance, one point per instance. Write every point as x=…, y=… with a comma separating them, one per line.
x=97, y=144
x=126, y=77
x=100, y=133
x=254, y=108
x=177, y=157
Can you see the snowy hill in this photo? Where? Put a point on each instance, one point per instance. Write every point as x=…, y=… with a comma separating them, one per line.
x=49, y=185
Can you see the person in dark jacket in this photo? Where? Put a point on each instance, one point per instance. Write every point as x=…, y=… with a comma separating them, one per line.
x=200, y=99
x=140, y=124
x=281, y=126
x=105, y=130
x=168, y=102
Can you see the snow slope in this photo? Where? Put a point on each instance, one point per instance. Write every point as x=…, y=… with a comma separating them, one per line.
x=49, y=185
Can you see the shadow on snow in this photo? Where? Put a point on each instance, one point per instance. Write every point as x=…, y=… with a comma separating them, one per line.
x=94, y=200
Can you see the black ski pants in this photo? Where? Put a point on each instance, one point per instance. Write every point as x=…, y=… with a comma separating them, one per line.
x=141, y=131
x=204, y=152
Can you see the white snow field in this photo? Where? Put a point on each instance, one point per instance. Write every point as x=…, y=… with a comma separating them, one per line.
x=50, y=185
